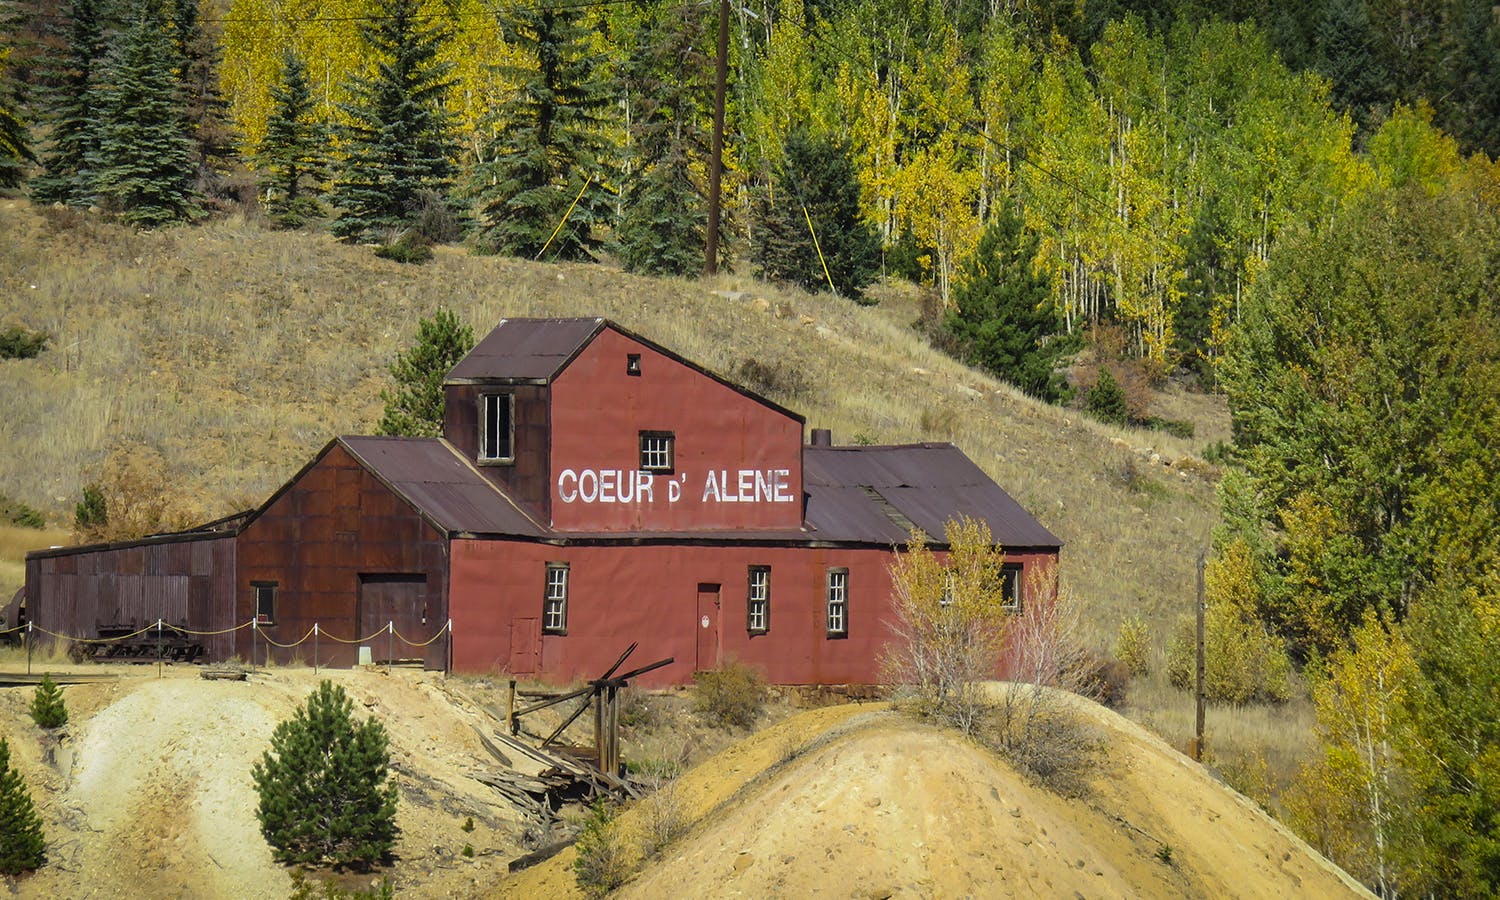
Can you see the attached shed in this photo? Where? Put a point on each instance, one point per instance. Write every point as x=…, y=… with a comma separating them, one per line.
x=591, y=489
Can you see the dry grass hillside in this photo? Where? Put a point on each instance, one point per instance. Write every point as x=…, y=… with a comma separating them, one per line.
x=224, y=356
x=202, y=367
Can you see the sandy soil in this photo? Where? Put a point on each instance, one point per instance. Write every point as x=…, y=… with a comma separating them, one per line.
x=867, y=804
x=147, y=793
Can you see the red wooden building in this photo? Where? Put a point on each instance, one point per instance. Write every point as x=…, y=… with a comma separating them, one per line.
x=591, y=489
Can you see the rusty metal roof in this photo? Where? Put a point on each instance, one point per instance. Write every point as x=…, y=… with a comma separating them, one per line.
x=856, y=495
x=436, y=479
x=868, y=494
x=526, y=350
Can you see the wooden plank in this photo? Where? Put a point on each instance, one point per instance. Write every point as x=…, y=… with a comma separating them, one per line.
x=541, y=855
x=493, y=749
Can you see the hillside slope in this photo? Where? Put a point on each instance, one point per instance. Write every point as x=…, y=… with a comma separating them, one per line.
x=215, y=361
x=148, y=793
x=862, y=802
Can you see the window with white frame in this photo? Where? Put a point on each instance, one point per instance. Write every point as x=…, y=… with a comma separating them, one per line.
x=656, y=451
x=1010, y=587
x=838, y=602
x=265, y=601
x=555, y=600
x=496, y=428
x=758, y=600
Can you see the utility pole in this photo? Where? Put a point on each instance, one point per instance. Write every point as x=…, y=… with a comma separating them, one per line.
x=716, y=164
x=1198, y=741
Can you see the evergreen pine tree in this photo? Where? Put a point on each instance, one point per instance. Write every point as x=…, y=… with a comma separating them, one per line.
x=143, y=162
x=1475, y=116
x=415, y=407
x=293, y=154
x=73, y=111
x=203, y=107
x=324, y=794
x=551, y=145
x=1003, y=315
x=23, y=847
x=47, y=707
x=816, y=180
x=15, y=141
x=663, y=227
x=1344, y=52
x=400, y=137
x=1105, y=401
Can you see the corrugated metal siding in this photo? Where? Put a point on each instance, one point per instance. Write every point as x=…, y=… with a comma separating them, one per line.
x=348, y=527
x=132, y=586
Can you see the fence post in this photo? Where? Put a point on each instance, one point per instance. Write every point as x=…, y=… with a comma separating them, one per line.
x=254, y=630
x=390, y=637
x=158, y=647
x=315, y=648
x=29, y=641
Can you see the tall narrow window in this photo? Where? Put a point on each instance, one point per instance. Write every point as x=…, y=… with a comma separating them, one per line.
x=838, y=602
x=1010, y=587
x=496, y=428
x=555, y=602
x=265, y=602
x=758, y=600
x=656, y=451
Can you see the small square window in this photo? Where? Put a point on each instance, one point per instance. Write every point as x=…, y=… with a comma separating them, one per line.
x=555, y=600
x=496, y=428
x=265, y=602
x=838, y=603
x=632, y=364
x=1010, y=587
x=758, y=600
x=657, y=451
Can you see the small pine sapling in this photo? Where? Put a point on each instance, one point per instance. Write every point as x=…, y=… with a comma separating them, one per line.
x=22, y=844
x=324, y=791
x=47, y=707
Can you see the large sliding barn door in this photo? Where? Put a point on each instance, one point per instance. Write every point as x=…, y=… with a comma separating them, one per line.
x=397, y=599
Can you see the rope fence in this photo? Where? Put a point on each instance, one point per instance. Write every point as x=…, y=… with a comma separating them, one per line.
x=257, y=633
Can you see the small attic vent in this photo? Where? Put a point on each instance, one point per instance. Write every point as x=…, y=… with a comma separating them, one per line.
x=632, y=364
x=897, y=517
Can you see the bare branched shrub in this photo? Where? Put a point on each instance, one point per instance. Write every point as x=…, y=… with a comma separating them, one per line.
x=732, y=695
x=663, y=808
x=949, y=623
x=1035, y=725
x=779, y=378
x=137, y=489
x=636, y=709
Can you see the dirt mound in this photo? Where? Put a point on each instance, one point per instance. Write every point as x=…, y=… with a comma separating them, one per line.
x=148, y=791
x=148, y=794
x=869, y=804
